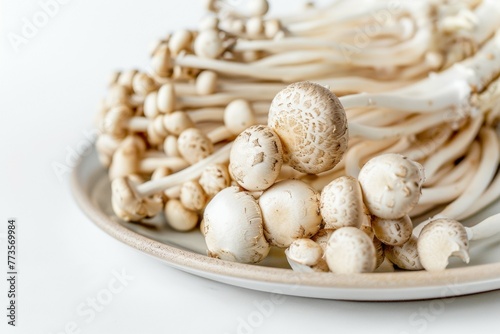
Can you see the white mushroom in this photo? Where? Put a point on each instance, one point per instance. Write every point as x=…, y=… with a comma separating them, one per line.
x=393, y=232
x=391, y=185
x=290, y=211
x=312, y=126
x=443, y=237
x=214, y=178
x=233, y=227
x=193, y=145
x=350, y=251
x=179, y=217
x=439, y=240
x=342, y=203
x=304, y=255
x=405, y=256
x=192, y=196
x=256, y=158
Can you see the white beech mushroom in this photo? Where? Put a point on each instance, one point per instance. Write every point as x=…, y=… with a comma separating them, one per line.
x=393, y=232
x=342, y=203
x=214, y=178
x=405, y=256
x=179, y=217
x=391, y=185
x=192, y=195
x=237, y=234
x=305, y=255
x=290, y=211
x=194, y=145
x=350, y=251
x=312, y=126
x=441, y=238
x=256, y=158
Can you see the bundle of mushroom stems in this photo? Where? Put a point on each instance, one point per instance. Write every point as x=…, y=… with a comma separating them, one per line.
x=323, y=133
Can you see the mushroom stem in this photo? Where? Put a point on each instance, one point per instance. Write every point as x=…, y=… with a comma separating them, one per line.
x=485, y=229
x=490, y=157
x=189, y=173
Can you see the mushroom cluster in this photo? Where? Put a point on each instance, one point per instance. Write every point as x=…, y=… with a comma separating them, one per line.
x=321, y=131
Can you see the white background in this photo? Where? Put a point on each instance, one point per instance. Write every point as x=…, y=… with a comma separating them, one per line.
x=49, y=90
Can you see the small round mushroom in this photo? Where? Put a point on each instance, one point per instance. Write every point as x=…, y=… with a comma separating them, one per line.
x=350, y=251
x=312, y=125
x=130, y=206
x=439, y=240
x=214, y=178
x=304, y=255
x=391, y=185
x=342, y=203
x=208, y=44
x=379, y=246
x=322, y=237
x=405, y=256
x=179, y=217
x=393, y=232
x=238, y=116
x=194, y=145
x=256, y=158
x=290, y=211
x=233, y=227
x=192, y=195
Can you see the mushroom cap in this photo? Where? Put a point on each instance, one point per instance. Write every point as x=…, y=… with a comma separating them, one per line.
x=350, y=251
x=166, y=98
x=405, y=256
x=214, y=178
x=128, y=205
x=312, y=126
x=177, y=121
x=126, y=157
x=208, y=44
x=194, y=145
x=393, y=232
x=342, y=203
x=233, y=227
x=256, y=158
x=391, y=185
x=114, y=122
x=192, y=195
x=290, y=211
x=322, y=237
x=206, y=82
x=238, y=116
x=304, y=255
x=179, y=217
x=379, y=246
x=440, y=239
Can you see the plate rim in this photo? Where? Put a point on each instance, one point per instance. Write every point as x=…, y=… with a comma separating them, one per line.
x=472, y=279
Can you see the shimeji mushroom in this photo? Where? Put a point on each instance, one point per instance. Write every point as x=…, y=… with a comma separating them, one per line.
x=179, y=217
x=127, y=160
x=391, y=185
x=214, y=178
x=256, y=158
x=350, y=251
x=405, y=256
x=441, y=238
x=393, y=232
x=233, y=227
x=290, y=211
x=129, y=198
x=305, y=255
x=312, y=126
x=342, y=203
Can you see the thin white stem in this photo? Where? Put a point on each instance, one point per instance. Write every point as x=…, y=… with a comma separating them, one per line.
x=138, y=124
x=445, y=194
x=219, y=134
x=189, y=173
x=175, y=164
x=355, y=154
x=490, y=157
x=485, y=229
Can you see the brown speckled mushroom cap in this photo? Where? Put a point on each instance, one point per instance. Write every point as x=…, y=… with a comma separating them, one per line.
x=312, y=126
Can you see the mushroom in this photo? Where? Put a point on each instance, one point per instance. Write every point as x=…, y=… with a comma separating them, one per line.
x=391, y=185
x=405, y=256
x=194, y=145
x=379, y=246
x=179, y=217
x=256, y=158
x=290, y=211
x=312, y=126
x=214, y=178
x=304, y=255
x=237, y=234
x=393, y=232
x=350, y=251
x=129, y=205
x=129, y=198
x=342, y=203
x=441, y=238
x=192, y=196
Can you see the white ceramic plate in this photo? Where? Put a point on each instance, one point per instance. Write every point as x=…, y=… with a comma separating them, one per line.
x=186, y=251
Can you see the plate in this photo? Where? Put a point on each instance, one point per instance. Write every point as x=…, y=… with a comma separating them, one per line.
x=187, y=252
